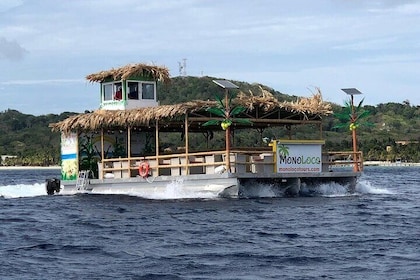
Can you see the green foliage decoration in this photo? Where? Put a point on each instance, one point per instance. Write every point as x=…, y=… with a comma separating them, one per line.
x=350, y=120
x=227, y=114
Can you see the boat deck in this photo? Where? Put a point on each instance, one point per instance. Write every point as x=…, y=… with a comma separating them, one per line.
x=243, y=163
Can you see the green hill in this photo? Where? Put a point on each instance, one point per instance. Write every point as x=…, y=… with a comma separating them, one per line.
x=395, y=134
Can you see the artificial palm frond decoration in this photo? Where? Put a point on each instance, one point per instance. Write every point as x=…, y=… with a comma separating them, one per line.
x=227, y=113
x=352, y=120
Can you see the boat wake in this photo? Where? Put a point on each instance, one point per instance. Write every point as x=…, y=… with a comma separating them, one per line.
x=336, y=190
x=323, y=190
x=22, y=190
x=365, y=187
x=326, y=190
x=175, y=190
x=261, y=191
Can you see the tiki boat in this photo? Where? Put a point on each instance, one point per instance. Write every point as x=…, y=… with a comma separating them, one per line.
x=118, y=149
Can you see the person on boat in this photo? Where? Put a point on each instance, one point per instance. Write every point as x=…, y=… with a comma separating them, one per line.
x=118, y=94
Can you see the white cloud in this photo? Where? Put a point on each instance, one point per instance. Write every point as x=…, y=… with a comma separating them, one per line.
x=42, y=82
x=373, y=44
x=6, y=5
x=410, y=7
x=288, y=45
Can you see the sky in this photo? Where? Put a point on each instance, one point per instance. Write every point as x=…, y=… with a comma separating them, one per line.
x=47, y=47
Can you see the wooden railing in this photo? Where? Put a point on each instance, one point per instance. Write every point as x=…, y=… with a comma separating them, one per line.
x=331, y=159
x=242, y=161
x=191, y=163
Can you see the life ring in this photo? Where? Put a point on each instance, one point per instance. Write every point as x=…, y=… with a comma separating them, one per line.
x=144, y=169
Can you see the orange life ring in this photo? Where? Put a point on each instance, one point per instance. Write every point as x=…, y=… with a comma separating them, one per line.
x=144, y=169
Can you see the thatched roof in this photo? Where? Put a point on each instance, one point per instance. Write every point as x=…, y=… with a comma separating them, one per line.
x=302, y=109
x=305, y=105
x=159, y=73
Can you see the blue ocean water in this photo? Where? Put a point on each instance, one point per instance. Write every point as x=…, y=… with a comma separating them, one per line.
x=372, y=234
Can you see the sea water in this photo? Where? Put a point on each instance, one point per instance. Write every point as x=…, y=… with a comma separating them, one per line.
x=329, y=234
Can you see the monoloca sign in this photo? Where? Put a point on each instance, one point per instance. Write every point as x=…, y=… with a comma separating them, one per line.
x=299, y=156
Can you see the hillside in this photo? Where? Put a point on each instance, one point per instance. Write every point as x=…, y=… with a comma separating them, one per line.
x=29, y=138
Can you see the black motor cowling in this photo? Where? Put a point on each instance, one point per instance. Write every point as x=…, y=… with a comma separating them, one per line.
x=52, y=185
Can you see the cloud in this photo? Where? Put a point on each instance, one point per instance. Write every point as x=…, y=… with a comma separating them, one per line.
x=367, y=44
x=11, y=50
x=403, y=7
x=6, y=5
x=42, y=82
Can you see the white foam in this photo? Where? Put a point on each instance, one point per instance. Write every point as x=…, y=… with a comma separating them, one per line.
x=365, y=187
x=176, y=190
x=333, y=190
x=266, y=192
x=326, y=190
x=173, y=190
x=16, y=191
x=262, y=190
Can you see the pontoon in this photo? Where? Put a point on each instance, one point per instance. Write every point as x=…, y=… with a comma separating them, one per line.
x=117, y=148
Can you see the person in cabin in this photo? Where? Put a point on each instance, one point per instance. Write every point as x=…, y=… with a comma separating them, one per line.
x=118, y=94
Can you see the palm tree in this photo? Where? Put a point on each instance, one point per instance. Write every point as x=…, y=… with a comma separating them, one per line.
x=227, y=113
x=351, y=119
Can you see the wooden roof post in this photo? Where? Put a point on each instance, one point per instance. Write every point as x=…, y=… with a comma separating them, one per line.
x=227, y=131
x=129, y=142
x=187, y=170
x=157, y=144
x=102, y=155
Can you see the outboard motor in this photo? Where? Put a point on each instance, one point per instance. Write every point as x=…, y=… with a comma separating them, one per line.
x=52, y=186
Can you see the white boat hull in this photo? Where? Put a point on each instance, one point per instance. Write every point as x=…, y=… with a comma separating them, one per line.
x=206, y=185
x=163, y=186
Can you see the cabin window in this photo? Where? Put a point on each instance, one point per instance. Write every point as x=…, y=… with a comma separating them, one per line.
x=112, y=91
x=148, y=91
x=108, y=92
x=133, y=90
x=140, y=90
x=117, y=91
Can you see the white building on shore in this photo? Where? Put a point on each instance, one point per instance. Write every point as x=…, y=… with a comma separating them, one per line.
x=4, y=157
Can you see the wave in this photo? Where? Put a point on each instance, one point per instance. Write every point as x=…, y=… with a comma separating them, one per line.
x=337, y=190
x=366, y=187
x=326, y=190
x=22, y=190
x=261, y=190
x=272, y=191
x=175, y=190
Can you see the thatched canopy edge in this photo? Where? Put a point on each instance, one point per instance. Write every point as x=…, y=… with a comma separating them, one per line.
x=95, y=121
x=158, y=73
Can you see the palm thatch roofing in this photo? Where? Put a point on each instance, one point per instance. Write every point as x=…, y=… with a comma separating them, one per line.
x=264, y=109
x=158, y=73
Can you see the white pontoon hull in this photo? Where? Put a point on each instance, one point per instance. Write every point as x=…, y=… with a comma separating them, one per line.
x=204, y=185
